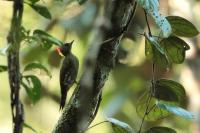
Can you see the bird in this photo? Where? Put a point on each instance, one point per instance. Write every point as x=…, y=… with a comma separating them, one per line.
x=68, y=71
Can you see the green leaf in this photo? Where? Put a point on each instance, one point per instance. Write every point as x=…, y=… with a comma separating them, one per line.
x=153, y=41
x=3, y=68
x=160, y=130
x=160, y=59
x=175, y=110
x=42, y=10
x=155, y=113
x=148, y=49
x=169, y=90
x=32, y=85
x=175, y=49
x=30, y=127
x=156, y=53
x=34, y=1
x=32, y=66
x=182, y=27
x=119, y=126
x=47, y=38
x=81, y=1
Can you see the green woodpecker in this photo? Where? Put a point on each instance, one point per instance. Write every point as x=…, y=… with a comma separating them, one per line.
x=68, y=71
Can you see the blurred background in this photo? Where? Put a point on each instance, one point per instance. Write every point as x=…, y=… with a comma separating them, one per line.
x=126, y=83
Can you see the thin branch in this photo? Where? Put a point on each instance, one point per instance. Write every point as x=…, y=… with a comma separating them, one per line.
x=14, y=40
x=152, y=88
x=96, y=125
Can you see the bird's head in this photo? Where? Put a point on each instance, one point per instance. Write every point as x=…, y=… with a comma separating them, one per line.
x=65, y=49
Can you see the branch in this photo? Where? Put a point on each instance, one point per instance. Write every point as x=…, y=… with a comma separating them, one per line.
x=14, y=40
x=84, y=103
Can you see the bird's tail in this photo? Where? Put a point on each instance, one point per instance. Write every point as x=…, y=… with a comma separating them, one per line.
x=62, y=101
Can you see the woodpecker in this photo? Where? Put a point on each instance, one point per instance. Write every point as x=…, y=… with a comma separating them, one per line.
x=68, y=71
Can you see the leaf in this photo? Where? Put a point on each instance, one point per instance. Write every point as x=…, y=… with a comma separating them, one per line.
x=160, y=130
x=32, y=87
x=3, y=51
x=42, y=10
x=175, y=110
x=119, y=126
x=161, y=59
x=175, y=49
x=156, y=53
x=34, y=1
x=47, y=37
x=32, y=66
x=169, y=90
x=152, y=8
x=155, y=113
x=3, y=68
x=81, y=1
x=29, y=127
x=153, y=41
x=148, y=49
x=182, y=27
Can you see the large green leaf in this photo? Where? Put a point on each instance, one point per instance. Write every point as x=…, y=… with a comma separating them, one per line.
x=3, y=68
x=46, y=38
x=32, y=85
x=119, y=126
x=160, y=130
x=182, y=27
x=42, y=10
x=33, y=65
x=175, y=110
x=175, y=49
x=155, y=113
x=168, y=90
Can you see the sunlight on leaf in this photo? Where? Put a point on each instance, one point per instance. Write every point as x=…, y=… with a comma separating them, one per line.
x=119, y=126
x=152, y=8
x=155, y=113
x=176, y=110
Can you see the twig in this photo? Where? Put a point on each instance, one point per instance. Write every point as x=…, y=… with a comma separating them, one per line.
x=152, y=88
x=96, y=125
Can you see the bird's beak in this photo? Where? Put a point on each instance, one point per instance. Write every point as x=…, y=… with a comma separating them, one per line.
x=72, y=42
x=59, y=52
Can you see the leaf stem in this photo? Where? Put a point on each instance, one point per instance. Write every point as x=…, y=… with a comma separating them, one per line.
x=96, y=125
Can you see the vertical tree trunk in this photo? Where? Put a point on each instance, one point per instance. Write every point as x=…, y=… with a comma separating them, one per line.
x=14, y=40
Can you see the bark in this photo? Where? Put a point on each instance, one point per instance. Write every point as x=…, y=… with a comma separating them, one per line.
x=14, y=40
x=85, y=101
